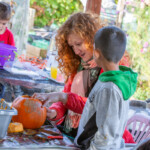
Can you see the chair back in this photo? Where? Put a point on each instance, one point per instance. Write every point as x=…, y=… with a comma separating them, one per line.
x=140, y=127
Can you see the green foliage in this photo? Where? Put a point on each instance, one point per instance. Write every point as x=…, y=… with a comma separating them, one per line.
x=116, y=1
x=139, y=48
x=54, y=11
x=16, y=54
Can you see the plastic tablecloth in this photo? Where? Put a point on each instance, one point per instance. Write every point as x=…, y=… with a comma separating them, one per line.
x=24, y=141
x=30, y=81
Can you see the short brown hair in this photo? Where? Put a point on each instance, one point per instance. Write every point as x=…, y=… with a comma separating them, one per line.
x=5, y=11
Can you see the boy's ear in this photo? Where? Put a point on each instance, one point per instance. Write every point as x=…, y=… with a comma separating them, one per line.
x=97, y=54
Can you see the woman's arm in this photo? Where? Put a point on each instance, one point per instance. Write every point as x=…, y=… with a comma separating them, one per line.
x=75, y=102
x=60, y=110
x=59, y=106
x=61, y=101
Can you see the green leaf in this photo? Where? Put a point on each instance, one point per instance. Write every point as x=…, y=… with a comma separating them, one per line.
x=55, y=9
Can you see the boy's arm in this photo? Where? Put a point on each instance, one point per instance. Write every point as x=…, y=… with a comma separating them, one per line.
x=107, y=119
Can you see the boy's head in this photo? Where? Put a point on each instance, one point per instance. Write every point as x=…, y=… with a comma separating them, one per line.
x=110, y=44
x=5, y=15
x=5, y=11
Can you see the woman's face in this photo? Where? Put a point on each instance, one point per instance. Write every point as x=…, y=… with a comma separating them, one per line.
x=79, y=46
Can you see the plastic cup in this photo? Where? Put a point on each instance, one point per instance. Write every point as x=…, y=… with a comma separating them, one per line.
x=54, y=72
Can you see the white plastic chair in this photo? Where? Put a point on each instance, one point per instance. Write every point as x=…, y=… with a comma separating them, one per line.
x=140, y=127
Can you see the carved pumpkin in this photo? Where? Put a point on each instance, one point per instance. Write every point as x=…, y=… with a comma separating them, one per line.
x=30, y=112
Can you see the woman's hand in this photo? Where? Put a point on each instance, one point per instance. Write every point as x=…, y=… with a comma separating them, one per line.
x=89, y=64
x=53, y=97
x=41, y=96
x=92, y=63
x=51, y=113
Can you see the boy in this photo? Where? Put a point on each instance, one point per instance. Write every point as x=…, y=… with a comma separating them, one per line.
x=6, y=37
x=105, y=114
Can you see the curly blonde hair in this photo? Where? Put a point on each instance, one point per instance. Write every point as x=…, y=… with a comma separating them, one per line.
x=83, y=24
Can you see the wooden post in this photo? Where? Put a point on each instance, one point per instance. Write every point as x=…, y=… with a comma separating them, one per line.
x=120, y=9
x=93, y=6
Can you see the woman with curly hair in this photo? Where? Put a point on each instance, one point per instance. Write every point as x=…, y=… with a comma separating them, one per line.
x=74, y=41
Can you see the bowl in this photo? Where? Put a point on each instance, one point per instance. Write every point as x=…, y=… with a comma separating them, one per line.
x=6, y=113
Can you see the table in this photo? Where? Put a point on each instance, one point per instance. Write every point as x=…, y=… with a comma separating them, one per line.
x=28, y=80
x=29, y=83
x=24, y=141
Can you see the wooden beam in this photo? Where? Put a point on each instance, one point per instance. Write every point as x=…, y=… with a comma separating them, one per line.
x=93, y=6
x=120, y=9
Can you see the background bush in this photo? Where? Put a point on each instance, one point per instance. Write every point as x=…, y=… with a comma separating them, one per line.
x=139, y=48
x=54, y=11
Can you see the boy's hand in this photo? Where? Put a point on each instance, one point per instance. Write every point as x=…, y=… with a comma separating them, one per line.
x=51, y=113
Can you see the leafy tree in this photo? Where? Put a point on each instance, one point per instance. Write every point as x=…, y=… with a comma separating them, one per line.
x=54, y=11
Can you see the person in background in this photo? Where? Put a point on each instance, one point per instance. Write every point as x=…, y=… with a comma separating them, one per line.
x=74, y=41
x=7, y=37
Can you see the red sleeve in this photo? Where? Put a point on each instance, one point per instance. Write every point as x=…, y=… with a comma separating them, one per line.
x=127, y=136
x=67, y=87
x=11, y=40
x=59, y=107
x=75, y=103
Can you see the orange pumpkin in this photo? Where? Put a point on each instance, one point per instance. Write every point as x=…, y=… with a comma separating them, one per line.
x=30, y=112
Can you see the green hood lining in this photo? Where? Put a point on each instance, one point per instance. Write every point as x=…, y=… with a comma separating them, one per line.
x=124, y=78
